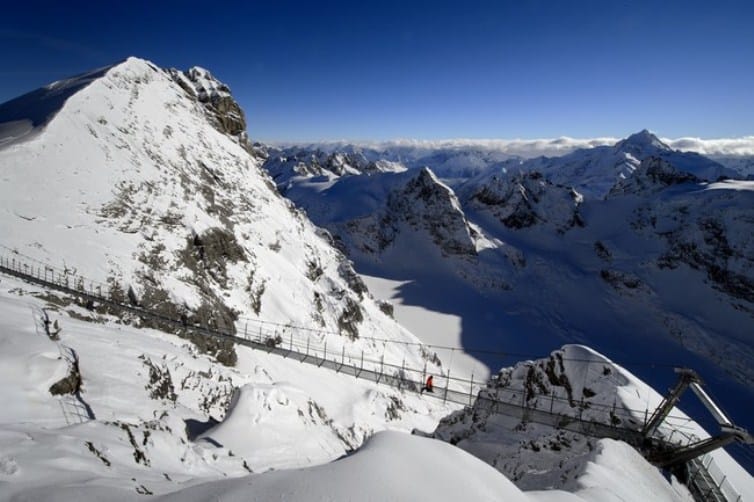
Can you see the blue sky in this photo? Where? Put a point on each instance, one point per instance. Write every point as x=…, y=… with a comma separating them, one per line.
x=425, y=70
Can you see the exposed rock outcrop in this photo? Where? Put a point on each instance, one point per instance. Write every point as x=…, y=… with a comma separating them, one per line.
x=652, y=175
x=526, y=200
x=222, y=109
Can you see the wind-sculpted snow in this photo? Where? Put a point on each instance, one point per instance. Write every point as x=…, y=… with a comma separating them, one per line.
x=391, y=466
x=24, y=114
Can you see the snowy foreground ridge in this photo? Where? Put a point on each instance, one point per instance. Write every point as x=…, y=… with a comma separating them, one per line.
x=154, y=403
x=143, y=181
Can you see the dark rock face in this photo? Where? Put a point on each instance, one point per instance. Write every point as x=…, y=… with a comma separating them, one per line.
x=526, y=200
x=421, y=205
x=350, y=318
x=724, y=265
x=425, y=203
x=223, y=111
x=653, y=174
x=621, y=281
x=217, y=98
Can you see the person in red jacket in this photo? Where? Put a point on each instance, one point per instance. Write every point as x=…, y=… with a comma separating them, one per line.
x=429, y=386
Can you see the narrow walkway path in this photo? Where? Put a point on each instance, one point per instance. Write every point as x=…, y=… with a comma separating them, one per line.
x=299, y=347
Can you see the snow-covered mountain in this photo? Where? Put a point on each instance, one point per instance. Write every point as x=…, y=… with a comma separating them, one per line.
x=572, y=381
x=143, y=182
x=151, y=171
x=592, y=167
x=524, y=200
x=742, y=164
x=450, y=162
x=662, y=257
x=594, y=171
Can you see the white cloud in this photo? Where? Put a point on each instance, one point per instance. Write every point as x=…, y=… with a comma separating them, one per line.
x=521, y=147
x=552, y=147
x=721, y=146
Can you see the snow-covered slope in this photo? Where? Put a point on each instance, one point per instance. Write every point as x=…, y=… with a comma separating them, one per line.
x=657, y=270
x=523, y=200
x=156, y=417
x=574, y=381
x=142, y=180
x=150, y=414
x=594, y=171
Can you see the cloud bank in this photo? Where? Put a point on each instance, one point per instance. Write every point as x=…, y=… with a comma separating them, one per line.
x=723, y=146
x=552, y=147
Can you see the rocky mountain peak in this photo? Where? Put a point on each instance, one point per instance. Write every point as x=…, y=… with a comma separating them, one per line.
x=425, y=202
x=207, y=86
x=224, y=112
x=652, y=175
x=527, y=199
x=642, y=143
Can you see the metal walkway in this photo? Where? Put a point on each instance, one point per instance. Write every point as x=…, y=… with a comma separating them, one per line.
x=455, y=390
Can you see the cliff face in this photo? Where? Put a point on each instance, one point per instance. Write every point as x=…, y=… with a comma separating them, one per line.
x=221, y=108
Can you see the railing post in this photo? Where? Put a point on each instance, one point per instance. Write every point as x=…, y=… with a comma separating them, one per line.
x=447, y=382
x=403, y=373
x=471, y=389
x=290, y=341
x=382, y=359
x=725, y=476
x=552, y=399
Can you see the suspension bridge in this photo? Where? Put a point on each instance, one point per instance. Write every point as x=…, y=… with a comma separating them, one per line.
x=685, y=453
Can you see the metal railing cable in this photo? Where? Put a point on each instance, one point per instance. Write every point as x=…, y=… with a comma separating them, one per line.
x=289, y=341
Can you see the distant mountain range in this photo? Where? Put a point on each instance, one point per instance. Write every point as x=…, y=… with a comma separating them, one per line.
x=629, y=241
x=142, y=182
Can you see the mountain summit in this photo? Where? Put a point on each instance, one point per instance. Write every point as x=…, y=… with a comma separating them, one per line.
x=151, y=169
x=642, y=142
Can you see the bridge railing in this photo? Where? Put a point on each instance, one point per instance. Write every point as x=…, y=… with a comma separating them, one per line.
x=704, y=472
x=316, y=344
x=311, y=345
